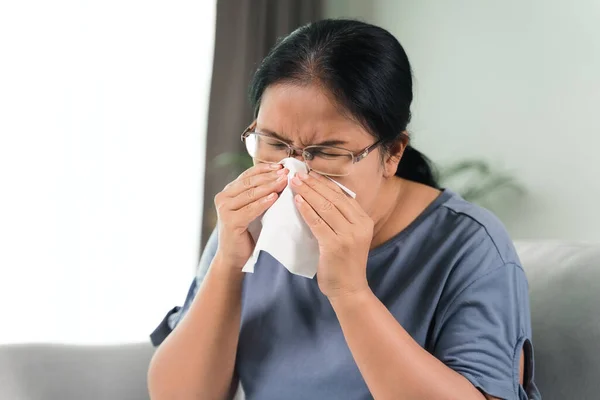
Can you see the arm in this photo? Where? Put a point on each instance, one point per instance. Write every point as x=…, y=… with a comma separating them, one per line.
x=197, y=359
x=393, y=365
x=483, y=323
x=167, y=325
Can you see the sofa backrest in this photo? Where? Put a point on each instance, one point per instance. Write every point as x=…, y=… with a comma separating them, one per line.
x=49, y=371
x=564, y=287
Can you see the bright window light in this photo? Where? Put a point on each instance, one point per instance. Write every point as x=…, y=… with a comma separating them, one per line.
x=103, y=108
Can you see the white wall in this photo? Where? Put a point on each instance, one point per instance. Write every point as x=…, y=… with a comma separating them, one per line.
x=102, y=118
x=515, y=82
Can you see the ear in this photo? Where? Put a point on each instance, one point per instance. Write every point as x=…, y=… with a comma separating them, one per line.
x=395, y=155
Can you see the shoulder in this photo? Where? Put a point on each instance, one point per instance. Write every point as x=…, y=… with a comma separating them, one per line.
x=454, y=241
x=476, y=230
x=479, y=248
x=482, y=316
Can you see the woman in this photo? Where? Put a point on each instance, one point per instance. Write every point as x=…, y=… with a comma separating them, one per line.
x=418, y=295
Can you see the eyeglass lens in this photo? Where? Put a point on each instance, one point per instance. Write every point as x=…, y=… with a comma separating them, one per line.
x=323, y=159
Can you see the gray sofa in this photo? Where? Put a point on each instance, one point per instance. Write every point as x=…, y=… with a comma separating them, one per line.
x=564, y=281
x=69, y=372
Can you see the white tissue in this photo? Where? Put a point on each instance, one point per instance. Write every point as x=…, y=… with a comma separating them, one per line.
x=282, y=232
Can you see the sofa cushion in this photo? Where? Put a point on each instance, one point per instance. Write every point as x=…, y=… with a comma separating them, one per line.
x=564, y=287
x=65, y=372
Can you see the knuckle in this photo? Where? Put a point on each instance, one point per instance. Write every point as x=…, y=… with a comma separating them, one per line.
x=339, y=196
x=251, y=193
x=327, y=206
x=249, y=208
x=247, y=182
x=245, y=173
x=316, y=221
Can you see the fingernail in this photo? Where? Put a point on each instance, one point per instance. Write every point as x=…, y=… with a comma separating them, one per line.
x=299, y=198
x=302, y=175
x=271, y=196
x=275, y=166
x=281, y=177
x=297, y=181
x=281, y=171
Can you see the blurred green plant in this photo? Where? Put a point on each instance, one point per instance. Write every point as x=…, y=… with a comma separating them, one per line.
x=236, y=162
x=475, y=180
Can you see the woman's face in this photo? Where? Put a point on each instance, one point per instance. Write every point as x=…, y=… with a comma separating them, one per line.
x=305, y=115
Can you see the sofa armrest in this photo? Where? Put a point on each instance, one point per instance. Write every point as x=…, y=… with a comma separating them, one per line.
x=53, y=371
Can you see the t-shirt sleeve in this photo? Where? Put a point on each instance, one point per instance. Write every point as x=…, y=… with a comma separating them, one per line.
x=175, y=315
x=485, y=327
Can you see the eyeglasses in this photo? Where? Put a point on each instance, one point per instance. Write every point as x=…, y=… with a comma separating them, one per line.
x=326, y=160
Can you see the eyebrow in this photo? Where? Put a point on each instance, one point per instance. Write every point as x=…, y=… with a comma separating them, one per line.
x=323, y=143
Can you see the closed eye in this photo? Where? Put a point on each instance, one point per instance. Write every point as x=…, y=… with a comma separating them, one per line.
x=327, y=153
x=278, y=146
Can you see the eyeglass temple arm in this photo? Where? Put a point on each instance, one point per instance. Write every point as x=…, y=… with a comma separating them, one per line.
x=251, y=127
x=366, y=151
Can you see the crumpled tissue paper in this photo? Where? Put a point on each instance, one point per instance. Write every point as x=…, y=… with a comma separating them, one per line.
x=282, y=232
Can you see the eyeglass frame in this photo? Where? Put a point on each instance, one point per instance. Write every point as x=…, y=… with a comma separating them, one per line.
x=292, y=150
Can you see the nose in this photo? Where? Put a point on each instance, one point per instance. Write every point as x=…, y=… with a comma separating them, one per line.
x=296, y=153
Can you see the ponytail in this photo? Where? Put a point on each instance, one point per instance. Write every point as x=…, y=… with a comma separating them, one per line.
x=416, y=167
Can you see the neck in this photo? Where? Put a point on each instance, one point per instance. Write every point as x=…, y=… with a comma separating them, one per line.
x=392, y=196
x=402, y=201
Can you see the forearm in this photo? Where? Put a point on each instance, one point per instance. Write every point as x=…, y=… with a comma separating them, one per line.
x=197, y=359
x=392, y=364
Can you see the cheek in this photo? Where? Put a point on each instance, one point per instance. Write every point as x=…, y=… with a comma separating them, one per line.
x=367, y=199
x=366, y=184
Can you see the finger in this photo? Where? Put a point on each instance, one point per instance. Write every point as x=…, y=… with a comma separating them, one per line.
x=317, y=225
x=332, y=192
x=244, y=216
x=322, y=206
x=259, y=169
x=254, y=193
x=252, y=180
x=347, y=205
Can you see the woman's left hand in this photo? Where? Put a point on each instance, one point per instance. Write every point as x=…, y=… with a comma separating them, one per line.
x=343, y=230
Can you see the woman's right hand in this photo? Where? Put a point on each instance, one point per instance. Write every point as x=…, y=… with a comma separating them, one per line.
x=240, y=203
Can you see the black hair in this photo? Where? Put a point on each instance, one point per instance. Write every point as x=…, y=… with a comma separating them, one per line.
x=366, y=70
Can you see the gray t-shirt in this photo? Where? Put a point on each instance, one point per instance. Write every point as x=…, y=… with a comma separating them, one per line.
x=453, y=281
